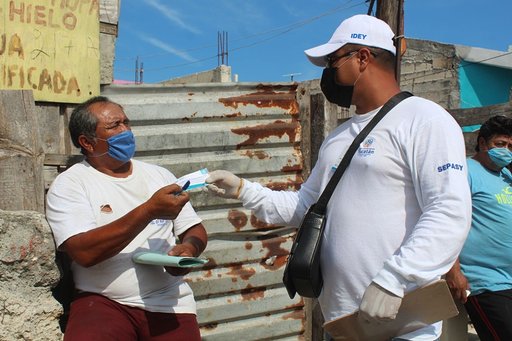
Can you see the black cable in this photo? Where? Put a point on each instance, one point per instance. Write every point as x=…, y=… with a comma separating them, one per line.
x=370, y=7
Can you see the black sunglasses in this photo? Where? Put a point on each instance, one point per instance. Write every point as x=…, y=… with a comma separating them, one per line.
x=332, y=59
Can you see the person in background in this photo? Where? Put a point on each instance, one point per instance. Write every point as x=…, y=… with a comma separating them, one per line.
x=401, y=212
x=105, y=209
x=484, y=267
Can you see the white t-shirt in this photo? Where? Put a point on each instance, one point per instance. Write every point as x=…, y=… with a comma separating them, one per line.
x=82, y=198
x=400, y=213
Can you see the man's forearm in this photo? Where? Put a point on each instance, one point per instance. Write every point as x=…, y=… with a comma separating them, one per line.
x=94, y=246
x=197, y=237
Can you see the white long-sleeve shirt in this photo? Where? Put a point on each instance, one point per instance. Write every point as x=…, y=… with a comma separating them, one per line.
x=399, y=215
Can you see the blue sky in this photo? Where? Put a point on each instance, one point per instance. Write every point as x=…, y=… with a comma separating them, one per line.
x=266, y=38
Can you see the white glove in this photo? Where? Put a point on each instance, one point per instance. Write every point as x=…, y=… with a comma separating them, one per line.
x=224, y=184
x=378, y=304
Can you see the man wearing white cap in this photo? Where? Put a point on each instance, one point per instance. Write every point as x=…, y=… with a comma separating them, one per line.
x=401, y=212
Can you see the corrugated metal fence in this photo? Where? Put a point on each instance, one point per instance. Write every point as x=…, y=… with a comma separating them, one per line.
x=267, y=133
x=252, y=130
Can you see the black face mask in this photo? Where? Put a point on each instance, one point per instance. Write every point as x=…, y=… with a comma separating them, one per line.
x=335, y=93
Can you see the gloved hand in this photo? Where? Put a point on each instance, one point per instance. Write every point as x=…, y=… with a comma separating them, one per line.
x=378, y=304
x=224, y=184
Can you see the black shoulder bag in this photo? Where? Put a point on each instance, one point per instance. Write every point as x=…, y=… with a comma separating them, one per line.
x=302, y=273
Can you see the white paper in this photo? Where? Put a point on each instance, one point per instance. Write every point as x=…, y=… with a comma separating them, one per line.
x=197, y=179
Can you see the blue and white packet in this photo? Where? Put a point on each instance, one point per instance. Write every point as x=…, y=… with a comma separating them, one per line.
x=197, y=179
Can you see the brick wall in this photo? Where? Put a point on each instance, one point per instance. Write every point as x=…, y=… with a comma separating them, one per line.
x=429, y=69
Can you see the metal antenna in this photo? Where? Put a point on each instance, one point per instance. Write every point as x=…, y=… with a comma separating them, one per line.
x=218, y=48
x=141, y=78
x=137, y=70
x=222, y=48
x=291, y=75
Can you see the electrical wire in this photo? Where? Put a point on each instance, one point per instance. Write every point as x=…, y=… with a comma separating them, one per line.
x=278, y=32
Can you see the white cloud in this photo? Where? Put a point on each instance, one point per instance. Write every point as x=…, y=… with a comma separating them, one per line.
x=172, y=15
x=167, y=48
x=292, y=10
x=244, y=15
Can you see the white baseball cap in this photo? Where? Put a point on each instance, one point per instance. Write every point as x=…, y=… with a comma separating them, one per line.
x=360, y=29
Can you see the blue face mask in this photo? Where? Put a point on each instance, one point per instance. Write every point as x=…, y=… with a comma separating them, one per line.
x=501, y=157
x=121, y=146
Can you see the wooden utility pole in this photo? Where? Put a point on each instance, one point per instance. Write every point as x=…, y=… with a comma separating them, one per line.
x=21, y=153
x=392, y=12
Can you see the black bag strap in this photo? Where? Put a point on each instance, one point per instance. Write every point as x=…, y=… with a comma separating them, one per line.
x=321, y=205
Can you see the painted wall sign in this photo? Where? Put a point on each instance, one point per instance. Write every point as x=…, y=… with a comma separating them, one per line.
x=50, y=47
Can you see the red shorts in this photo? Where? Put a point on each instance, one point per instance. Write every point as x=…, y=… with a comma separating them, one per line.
x=95, y=317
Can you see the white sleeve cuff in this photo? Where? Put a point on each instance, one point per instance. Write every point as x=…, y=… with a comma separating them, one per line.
x=250, y=193
x=391, y=281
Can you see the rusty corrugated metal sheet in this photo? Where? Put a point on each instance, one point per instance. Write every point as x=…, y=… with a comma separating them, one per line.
x=252, y=130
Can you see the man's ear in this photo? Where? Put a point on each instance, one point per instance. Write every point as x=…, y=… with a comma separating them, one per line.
x=482, y=144
x=364, y=57
x=85, y=143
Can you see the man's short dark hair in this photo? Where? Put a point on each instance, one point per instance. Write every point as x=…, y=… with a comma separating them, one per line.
x=83, y=122
x=496, y=125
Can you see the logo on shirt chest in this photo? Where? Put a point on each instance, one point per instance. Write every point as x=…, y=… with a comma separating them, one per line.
x=505, y=197
x=367, y=148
